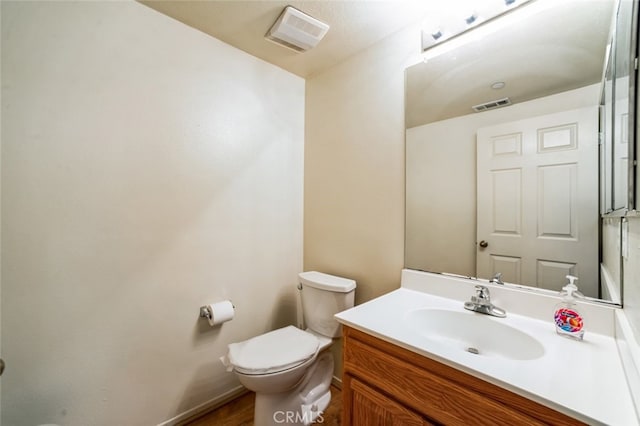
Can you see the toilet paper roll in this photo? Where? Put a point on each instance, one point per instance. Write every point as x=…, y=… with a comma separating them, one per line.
x=220, y=312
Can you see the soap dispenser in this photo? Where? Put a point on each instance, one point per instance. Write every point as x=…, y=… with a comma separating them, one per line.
x=569, y=322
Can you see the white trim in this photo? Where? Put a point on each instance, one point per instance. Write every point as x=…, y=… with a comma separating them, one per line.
x=629, y=350
x=337, y=382
x=205, y=407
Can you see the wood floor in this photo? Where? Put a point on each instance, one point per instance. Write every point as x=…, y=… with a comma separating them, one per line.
x=239, y=412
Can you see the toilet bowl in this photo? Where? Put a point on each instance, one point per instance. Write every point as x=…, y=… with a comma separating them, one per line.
x=291, y=369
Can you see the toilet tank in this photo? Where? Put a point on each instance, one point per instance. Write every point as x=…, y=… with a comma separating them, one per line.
x=323, y=296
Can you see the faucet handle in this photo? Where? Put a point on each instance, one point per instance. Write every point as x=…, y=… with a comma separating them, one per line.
x=497, y=278
x=482, y=292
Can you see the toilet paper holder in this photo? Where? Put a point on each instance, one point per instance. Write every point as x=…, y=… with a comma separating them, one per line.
x=205, y=311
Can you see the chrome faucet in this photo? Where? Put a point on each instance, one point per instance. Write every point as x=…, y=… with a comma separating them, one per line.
x=481, y=303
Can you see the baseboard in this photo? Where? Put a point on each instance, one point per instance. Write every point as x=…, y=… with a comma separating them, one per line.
x=205, y=407
x=337, y=382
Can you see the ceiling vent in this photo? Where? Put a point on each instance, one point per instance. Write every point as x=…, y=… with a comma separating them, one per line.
x=297, y=30
x=492, y=105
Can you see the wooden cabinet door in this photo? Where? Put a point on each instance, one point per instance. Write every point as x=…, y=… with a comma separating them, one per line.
x=371, y=408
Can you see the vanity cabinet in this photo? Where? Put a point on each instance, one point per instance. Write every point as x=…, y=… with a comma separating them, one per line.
x=384, y=384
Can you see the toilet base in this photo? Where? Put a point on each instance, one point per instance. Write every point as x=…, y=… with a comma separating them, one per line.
x=301, y=405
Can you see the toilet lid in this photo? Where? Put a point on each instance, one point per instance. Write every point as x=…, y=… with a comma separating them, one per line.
x=274, y=351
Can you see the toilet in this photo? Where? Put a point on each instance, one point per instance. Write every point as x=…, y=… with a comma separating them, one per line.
x=290, y=369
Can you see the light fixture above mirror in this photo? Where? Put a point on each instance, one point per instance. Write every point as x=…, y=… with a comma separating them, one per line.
x=452, y=23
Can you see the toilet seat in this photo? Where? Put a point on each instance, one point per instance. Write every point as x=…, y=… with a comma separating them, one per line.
x=273, y=352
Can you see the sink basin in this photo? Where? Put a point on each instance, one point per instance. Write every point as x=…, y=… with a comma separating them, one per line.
x=477, y=334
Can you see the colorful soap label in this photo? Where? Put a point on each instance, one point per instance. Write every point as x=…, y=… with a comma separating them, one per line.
x=568, y=320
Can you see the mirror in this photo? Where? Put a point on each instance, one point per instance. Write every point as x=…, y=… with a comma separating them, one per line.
x=515, y=189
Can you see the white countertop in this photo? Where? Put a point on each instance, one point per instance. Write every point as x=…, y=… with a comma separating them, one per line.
x=583, y=379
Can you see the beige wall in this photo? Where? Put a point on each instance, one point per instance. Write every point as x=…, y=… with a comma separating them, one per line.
x=147, y=169
x=441, y=181
x=354, y=167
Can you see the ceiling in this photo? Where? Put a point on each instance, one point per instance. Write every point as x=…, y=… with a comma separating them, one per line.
x=355, y=26
x=560, y=48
